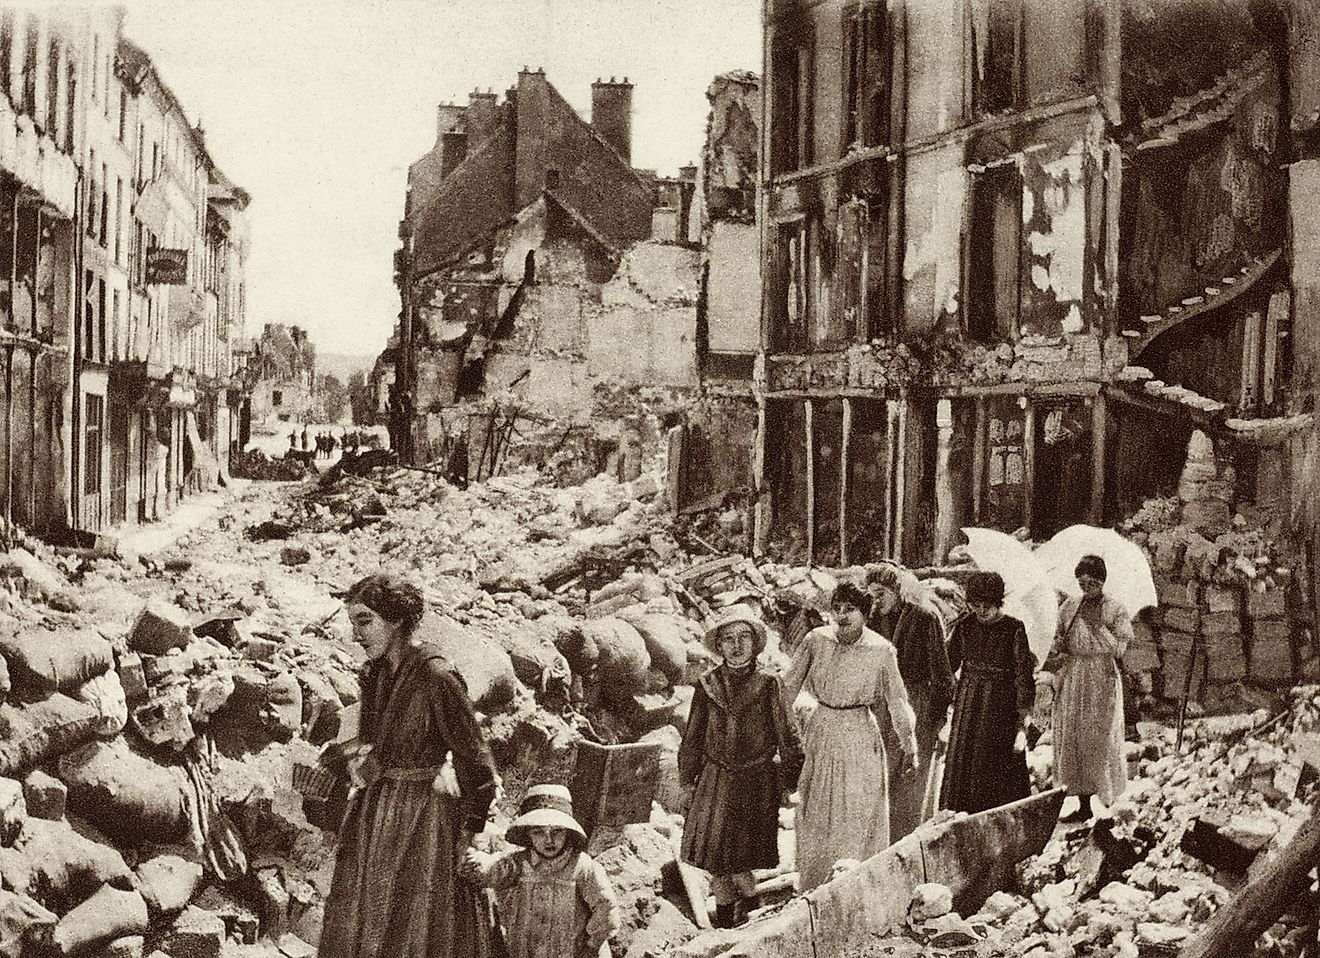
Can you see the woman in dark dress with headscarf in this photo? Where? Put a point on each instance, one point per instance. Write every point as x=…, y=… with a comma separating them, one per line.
x=987, y=763
x=395, y=892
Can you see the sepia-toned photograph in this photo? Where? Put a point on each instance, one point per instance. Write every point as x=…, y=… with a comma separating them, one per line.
x=659, y=478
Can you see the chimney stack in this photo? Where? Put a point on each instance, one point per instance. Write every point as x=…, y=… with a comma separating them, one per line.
x=480, y=118
x=453, y=150
x=611, y=114
x=447, y=117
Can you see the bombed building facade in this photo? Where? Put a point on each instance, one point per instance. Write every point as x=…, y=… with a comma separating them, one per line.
x=979, y=218
x=541, y=273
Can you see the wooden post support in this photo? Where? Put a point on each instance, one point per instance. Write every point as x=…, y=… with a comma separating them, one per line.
x=1275, y=316
x=844, y=462
x=811, y=481
x=900, y=481
x=760, y=521
x=979, y=439
x=1028, y=460
x=1099, y=420
x=1250, y=386
x=891, y=442
x=943, y=481
x=1233, y=930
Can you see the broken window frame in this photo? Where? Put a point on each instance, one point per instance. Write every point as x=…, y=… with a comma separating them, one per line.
x=986, y=318
x=868, y=57
x=790, y=321
x=791, y=88
x=1000, y=49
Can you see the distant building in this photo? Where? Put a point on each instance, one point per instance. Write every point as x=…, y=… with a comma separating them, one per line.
x=281, y=375
x=544, y=269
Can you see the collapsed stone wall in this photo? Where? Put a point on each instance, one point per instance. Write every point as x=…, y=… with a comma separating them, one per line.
x=1226, y=586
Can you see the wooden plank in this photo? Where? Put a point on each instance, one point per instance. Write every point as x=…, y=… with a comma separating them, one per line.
x=1099, y=418
x=900, y=481
x=891, y=431
x=844, y=462
x=1249, y=397
x=1234, y=929
x=760, y=521
x=943, y=480
x=811, y=481
x=978, y=458
x=1028, y=461
x=1275, y=316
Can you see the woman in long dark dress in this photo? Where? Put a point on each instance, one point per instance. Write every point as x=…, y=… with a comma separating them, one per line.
x=395, y=892
x=987, y=763
x=740, y=753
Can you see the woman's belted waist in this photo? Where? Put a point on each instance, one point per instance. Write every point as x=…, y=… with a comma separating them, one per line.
x=764, y=759
x=989, y=671
x=845, y=708
x=400, y=774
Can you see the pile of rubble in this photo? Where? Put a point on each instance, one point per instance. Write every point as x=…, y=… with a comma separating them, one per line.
x=255, y=464
x=1223, y=589
x=1190, y=832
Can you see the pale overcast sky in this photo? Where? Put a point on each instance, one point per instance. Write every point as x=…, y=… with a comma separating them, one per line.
x=317, y=108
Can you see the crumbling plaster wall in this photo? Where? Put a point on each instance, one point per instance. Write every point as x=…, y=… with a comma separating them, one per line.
x=934, y=76
x=733, y=289
x=933, y=212
x=645, y=329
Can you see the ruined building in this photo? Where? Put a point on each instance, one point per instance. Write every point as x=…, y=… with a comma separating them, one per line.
x=1015, y=252
x=279, y=371
x=530, y=276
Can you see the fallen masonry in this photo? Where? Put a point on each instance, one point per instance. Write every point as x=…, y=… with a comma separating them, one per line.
x=155, y=712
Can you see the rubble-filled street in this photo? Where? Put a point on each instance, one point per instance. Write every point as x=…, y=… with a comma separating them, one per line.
x=158, y=704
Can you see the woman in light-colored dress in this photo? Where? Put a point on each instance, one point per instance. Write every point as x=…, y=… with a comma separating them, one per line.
x=852, y=674
x=1094, y=632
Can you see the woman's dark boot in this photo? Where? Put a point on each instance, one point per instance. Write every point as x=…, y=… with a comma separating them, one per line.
x=724, y=915
x=744, y=907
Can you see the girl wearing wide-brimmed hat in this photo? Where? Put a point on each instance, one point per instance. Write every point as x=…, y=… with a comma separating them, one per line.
x=557, y=901
x=739, y=755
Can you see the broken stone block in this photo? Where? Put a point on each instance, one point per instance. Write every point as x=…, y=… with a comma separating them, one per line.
x=125, y=794
x=257, y=649
x=165, y=721
x=321, y=708
x=30, y=734
x=22, y=920
x=105, y=693
x=1221, y=624
x=295, y=555
x=1269, y=651
x=194, y=934
x=930, y=900
x=109, y=913
x=57, y=864
x=1209, y=517
x=160, y=628
x=666, y=639
x=1182, y=620
x=1206, y=841
x=168, y=883
x=1266, y=605
x=239, y=919
x=208, y=693
x=44, y=795
x=42, y=662
x=1173, y=593
x=272, y=902
x=1220, y=600
x=133, y=679
x=13, y=810
x=126, y=946
x=1226, y=660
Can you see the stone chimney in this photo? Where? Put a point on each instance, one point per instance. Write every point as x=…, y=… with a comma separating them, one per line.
x=453, y=150
x=611, y=114
x=447, y=117
x=482, y=114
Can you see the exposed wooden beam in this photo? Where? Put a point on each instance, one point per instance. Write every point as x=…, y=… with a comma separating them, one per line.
x=1099, y=420
x=978, y=458
x=1028, y=462
x=811, y=481
x=900, y=481
x=844, y=463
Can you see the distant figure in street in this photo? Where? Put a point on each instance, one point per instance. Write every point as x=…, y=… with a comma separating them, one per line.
x=306, y=440
x=425, y=780
x=556, y=901
x=740, y=755
x=987, y=761
x=293, y=440
x=1094, y=632
x=853, y=675
x=917, y=634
